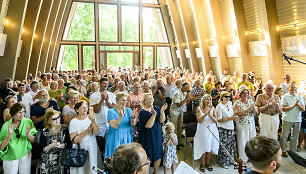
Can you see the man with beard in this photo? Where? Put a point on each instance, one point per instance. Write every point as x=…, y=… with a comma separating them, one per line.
x=265, y=155
x=38, y=109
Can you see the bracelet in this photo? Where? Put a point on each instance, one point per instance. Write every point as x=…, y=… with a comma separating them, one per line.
x=225, y=120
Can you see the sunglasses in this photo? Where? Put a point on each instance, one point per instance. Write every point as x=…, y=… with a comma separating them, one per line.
x=227, y=96
x=17, y=133
x=147, y=163
x=56, y=118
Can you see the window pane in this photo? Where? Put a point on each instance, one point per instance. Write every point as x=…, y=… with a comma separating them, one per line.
x=127, y=48
x=124, y=60
x=88, y=57
x=153, y=26
x=69, y=56
x=164, y=58
x=83, y=25
x=130, y=0
x=112, y=48
x=147, y=57
x=150, y=1
x=108, y=27
x=130, y=24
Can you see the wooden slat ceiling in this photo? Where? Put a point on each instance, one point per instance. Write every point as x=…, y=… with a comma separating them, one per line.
x=291, y=17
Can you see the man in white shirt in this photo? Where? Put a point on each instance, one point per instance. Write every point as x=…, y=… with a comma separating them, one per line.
x=25, y=98
x=178, y=84
x=168, y=87
x=34, y=89
x=121, y=87
x=292, y=107
x=102, y=101
x=285, y=85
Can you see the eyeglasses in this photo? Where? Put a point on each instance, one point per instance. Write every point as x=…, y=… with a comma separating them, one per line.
x=56, y=118
x=227, y=96
x=17, y=133
x=147, y=163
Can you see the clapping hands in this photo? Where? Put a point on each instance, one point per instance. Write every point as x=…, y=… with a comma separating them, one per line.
x=164, y=107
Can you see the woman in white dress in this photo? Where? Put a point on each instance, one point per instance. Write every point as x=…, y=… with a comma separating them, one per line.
x=82, y=130
x=204, y=142
x=226, y=129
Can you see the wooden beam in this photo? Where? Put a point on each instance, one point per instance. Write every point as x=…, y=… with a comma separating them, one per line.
x=243, y=39
x=40, y=33
x=219, y=36
x=13, y=29
x=177, y=23
x=273, y=43
x=30, y=23
x=47, y=38
x=54, y=35
x=190, y=33
x=59, y=36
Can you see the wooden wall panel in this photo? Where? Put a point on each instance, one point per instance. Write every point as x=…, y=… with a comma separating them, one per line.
x=27, y=37
x=15, y=16
x=40, y=33
x=55, y=33
x=47, y=37
x=55, y=52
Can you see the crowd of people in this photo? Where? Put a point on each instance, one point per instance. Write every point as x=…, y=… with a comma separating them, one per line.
x=101, y=111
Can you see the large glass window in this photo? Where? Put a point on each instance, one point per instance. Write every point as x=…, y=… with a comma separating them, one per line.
x=130, y=23
x=153, y=26
x=108, y=25
x=124, y=60
x=147, y=57
x=88, y=57
x=164, y=58
x=150, y=1
x=82, y=27
x=69, y=57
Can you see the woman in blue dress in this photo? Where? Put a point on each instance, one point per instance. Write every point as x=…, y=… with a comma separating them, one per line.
x=120, y=120
x=150, y=129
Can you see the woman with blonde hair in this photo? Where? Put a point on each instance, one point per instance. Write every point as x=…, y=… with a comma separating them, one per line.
x=150, y=129
x=54, y=138
x=246, y=109
x=68, y=111
x=204, y=142
x=121, y=119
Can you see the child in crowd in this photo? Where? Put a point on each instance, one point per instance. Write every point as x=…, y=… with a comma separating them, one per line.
x=169, y=147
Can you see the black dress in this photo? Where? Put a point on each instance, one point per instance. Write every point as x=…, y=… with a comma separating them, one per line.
x=51, y=161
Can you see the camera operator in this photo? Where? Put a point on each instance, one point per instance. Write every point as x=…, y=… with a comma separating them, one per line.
x=159, y=94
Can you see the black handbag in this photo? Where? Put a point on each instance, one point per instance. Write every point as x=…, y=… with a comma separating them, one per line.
x=72, y=157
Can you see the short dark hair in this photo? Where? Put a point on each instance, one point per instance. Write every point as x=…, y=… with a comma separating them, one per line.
x=72, y=87
x=103, y=79
x=33, y=83
x=261, y=151
x=218, y=83
x=16, y=108
x=79, y=104
x=126, y=159
x=8, y=79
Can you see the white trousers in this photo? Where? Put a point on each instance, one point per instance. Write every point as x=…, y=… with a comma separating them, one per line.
x=269, y=125
x=20, y=166
x=245, y=132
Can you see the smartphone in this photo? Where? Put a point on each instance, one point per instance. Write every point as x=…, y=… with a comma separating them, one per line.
x=91, y=111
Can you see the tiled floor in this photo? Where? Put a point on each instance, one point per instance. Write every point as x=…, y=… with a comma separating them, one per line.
x=287, y=167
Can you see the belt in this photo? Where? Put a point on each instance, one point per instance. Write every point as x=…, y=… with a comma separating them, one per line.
x=270, y=114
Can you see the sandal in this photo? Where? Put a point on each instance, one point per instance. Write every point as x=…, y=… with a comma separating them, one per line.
x=202, y=169
x=209, y=168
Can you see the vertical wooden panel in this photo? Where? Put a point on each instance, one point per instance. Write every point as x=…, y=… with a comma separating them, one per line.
x=47, y=36
x=176, y=22
x=39, y=35
x=30, y=23
x=243, y=40
x=219, y=36
x=200, y=22
x=55, y=33
x=55, y=52
x=15, y=16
